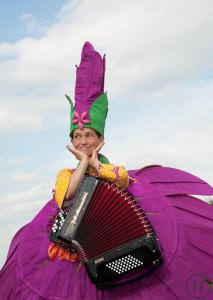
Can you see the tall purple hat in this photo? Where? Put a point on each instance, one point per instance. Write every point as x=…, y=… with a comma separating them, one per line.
x=91, y=103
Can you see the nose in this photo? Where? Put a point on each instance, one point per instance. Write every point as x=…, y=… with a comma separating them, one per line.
x=83, y=140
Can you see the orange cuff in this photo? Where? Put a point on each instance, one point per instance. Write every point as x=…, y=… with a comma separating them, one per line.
x=55, y=251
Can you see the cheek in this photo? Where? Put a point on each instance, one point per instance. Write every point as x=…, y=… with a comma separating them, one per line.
x=75, y=144
x=94, y=144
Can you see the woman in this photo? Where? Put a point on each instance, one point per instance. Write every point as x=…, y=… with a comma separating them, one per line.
x=86, y=146
x=37, y=269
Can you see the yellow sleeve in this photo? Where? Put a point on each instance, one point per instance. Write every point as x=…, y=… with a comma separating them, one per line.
x=118, y=175
x=61, y=185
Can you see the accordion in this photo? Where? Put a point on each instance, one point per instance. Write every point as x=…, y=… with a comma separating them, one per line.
x=110, y=231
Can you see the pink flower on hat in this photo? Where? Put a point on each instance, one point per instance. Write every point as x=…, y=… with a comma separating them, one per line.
x=80, y=119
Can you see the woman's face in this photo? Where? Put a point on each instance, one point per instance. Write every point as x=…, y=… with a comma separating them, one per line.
x=86, y=140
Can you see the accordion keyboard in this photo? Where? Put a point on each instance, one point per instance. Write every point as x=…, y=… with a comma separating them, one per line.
x=57, y=225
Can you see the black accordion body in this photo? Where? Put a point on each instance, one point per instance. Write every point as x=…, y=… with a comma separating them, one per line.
x=110, y=231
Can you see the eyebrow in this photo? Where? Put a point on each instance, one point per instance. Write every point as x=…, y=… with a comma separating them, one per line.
x=87, y=132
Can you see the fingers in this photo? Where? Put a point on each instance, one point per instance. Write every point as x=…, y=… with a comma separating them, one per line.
x=95, y=152
x=98, y=148
x=78, y=154
x=71, y=149
x=75, y=152
x=96, y=166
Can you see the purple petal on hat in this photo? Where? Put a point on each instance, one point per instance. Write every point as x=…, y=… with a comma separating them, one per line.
x=76, y=114
x=75, y=121
x=83, y=115
x=80, y=125
x=89, y=78
x=76, y=117
x=86, y=121
x=80, y=118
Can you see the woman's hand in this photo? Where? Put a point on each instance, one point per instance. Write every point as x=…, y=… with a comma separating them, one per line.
x=78, y=173
x=93, y=161
x=78, y=154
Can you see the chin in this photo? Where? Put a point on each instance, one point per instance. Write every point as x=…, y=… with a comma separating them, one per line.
x=88, y=153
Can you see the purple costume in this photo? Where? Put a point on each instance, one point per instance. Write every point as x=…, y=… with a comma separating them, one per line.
x=182, y=223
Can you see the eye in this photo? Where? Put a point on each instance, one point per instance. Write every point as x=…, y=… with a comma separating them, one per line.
x=89, y=135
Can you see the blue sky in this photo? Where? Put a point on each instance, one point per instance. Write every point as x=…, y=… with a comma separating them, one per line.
x=158, y=78
x=13, y=17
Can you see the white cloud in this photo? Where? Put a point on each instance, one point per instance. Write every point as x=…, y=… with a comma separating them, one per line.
x=15, y=119
x=7, y=52
x=22, y=206
x=156, y=51
x=30, y=21
x=25, y=200
x=146, y=44
x=19, y=176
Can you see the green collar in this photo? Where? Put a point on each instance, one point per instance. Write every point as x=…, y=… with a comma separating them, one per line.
x=103, y=159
